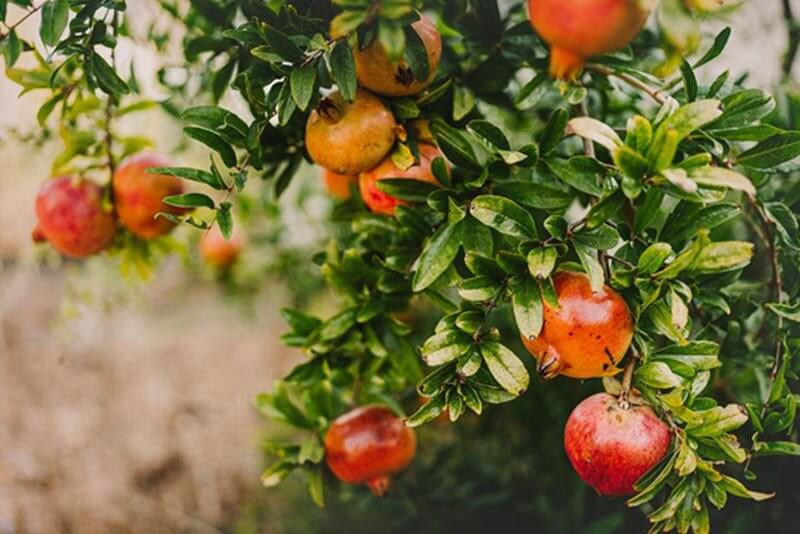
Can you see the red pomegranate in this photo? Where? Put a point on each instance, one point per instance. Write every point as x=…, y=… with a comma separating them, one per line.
x=137, y=195
x=367, y=445
x=72, y=217
x=218, y=251
x=611, y=447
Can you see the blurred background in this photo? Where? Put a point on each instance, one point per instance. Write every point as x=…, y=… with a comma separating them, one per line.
x=126, y=400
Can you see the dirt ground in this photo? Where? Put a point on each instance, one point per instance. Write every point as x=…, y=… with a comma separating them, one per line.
x=137, y=420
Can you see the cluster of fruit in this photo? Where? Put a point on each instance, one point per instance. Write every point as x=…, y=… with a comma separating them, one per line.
x=78, y=217
x=611, y=442
x=354, y=141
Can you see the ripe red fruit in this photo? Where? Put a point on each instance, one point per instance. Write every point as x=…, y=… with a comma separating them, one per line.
x=72, y=217
x=379, y=74
x=137, y=195
x=338, y=185
x=611, y=447
x=380, y=202
x=579, y=29
x=367, y=445
x=587, y=336
x=218, y=251
x=350, y=137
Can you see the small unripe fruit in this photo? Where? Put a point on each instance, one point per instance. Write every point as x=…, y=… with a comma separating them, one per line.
x=378, y=201
x=339, y=185
x=350, y=137
x=220, y=252
x=587, y=336
x=72, y=217
x=579, y=29
x=611, y=447
x=138, y=195
x=379, y=74
x=367, y=445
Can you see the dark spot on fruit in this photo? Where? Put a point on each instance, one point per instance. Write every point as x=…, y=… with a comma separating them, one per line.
x=598, y=337
x=610, y=356
x=605, y=367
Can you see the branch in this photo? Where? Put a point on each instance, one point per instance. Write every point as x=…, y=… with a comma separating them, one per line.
x=793, y=29
x=20, y=21
x=653, y=93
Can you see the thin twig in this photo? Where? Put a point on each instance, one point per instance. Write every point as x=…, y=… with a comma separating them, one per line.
x=627, y=379
x=793, y=29
x=653, y=93
x=20, y=21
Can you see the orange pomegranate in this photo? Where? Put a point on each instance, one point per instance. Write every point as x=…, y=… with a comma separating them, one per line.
x=379, y=74
x=610, y=446
x=380, y=202
x=350, y=137
x=72, y=217
x=338, y=185
x=579, y=29
x=587, y=336
x=220, y=252
x=137, y=195
x=367, y=445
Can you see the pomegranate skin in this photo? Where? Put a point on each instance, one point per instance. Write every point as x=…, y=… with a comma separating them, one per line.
x=378, y=201
x=579, y=29
x=338, y=185
x=218, y=251
x=376, y=72
x=367, y=445
x=350, y=137
x=587, y=336
x=610, y=447
x=72, y=218
x=137, y=195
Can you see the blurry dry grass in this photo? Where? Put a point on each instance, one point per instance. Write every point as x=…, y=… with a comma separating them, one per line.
x=133, y=421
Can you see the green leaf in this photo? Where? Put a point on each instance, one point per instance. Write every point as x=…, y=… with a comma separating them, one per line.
x=505, y=367
x=107, y=78
x=720, y=41
x=717, y=177
x=690, y=117
x=416, y=55
x=600, y=238
x=189, y=200
x=592, y=266
x=463, y=102
x=790, y=312
x=195, y=175
x=657, y=375
x=338, y=325
x=393, y=39
x=489, y=135
x=343, y=70
x=281, y=44
x=221, y=121
x=697, y=355
x=478, y=289
x=12, y=48
x=445, y=347
x=682, y=225
x=436, y=257
x=777, y=448
x=718, y=421
x=578, y=172
x=55, y=14
x=454, y=145
x=407, y=189
x=316, y=489
x=542, y=261
x=594, y=130
x=428, y=412
x=653, y=258
x=225, y=219
x=303, y=83
x=528, y=308
x=734, y=487
x=214, y=142
x=537, y=196
x=772, y=151
x=721, y=257
x=689, y=81
x=504, y=215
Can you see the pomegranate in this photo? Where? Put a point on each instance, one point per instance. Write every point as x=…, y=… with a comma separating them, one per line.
x=350, y=137
x=218, y=251
x=338, y=185
x=380, y=202
x=72, y=217
x=367, y=445
x=379, y=74
x=587, y=336
x=579, y=29
x=137, y=195
x=611, y=447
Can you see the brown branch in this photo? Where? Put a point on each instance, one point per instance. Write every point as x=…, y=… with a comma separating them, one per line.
x=653, y=93
x=20, y=21
x=627, y=380
x=793, y=29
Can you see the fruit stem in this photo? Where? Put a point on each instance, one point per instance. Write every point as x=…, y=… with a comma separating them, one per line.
x=380, y=485
x=655, y=94
x=627, y=380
